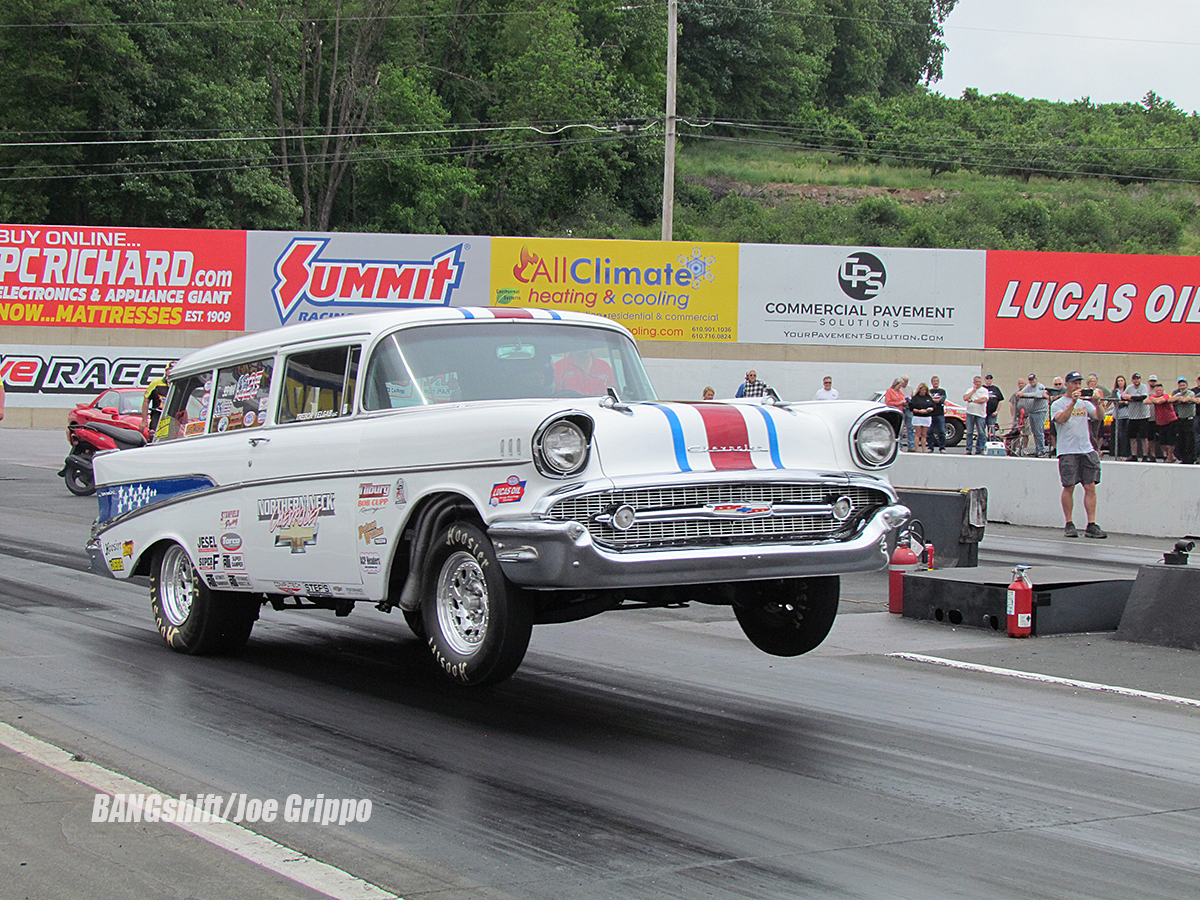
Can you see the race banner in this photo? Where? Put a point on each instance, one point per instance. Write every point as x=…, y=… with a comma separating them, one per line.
x=845, y=296
x=302, y=276
x=1096, y=302
x=61, y=376
x=676, y=291
x=74, y=276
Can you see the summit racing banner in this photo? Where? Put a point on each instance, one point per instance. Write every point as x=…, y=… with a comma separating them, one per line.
x=72, y=276
x=301, y=276
x=678, y=291
x=1098, y=302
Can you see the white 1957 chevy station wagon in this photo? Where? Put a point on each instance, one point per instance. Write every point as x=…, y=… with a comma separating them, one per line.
x=485, y=470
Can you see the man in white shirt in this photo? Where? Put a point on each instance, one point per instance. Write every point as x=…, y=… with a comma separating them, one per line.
x=827, y=391
x=1078, y=461
x=976, y=399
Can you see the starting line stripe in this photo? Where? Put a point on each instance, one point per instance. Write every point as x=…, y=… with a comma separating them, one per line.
x=251, y=846
x=1048, y=679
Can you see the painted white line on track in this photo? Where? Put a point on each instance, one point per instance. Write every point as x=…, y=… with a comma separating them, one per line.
x=251, y=846
x=1048, y=679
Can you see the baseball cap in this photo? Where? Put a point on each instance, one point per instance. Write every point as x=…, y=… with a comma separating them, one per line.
x=1181, y=380
x=1136, y=375
x=1152, y=378
x=1073, y=376
x=988, y=375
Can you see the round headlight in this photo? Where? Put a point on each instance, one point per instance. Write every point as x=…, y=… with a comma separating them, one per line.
x=564, y=448
x=875, y=442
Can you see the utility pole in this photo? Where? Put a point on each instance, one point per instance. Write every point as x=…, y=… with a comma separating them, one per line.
x=668, y=208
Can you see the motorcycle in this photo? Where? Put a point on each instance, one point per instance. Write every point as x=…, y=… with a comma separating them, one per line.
x=87, y=439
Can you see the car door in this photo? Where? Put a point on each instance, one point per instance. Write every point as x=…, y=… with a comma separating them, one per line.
x=299, y=501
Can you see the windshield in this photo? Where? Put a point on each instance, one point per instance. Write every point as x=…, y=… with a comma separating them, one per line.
x=502, y=361
x=130, y=402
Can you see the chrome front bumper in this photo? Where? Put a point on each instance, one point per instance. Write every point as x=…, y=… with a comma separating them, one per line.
x=537, y=553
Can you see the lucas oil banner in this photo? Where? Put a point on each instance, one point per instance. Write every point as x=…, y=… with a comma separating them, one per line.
x=72, y=276
x=1097, y=302
x=679, y=291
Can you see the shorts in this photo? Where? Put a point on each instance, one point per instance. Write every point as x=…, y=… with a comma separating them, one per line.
x=1079, y=468
x=1166, y=434
x=1139, y=429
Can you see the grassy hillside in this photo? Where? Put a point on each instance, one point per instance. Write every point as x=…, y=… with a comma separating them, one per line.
x=774, y=194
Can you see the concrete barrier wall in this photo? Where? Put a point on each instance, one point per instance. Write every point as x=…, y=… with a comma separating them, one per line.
x=1153, y=499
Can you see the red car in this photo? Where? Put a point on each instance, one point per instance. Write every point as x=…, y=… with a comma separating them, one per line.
x=121, y=406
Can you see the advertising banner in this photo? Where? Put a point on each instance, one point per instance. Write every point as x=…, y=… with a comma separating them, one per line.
x=676, y=291
x=1098, y=302
x=877, y=297
x=61, y=376
x=300, y=276
x=73, y=276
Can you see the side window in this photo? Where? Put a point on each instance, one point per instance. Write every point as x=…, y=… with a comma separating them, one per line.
x=108, y=399
x=240, y=396
x=185, y=411
x=318, y=384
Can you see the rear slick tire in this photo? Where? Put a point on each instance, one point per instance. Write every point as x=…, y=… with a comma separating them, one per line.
x=191, y=617
x=787, y=616
x=476, y=623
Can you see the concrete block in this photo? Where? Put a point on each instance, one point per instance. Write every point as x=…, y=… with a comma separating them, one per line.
x=1164, y=607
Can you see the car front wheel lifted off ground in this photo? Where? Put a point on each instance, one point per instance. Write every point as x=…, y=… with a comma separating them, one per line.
x=787, y=616
x=191, y=617
x=477, y=624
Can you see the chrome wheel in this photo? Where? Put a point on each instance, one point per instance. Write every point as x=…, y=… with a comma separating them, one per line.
x=177, y=586
x=462, y=603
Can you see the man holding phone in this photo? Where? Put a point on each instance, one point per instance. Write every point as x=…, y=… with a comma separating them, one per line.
x=1078, y=461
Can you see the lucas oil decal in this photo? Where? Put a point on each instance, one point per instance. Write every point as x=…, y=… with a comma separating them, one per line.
x=302, y=273
x=510, y=491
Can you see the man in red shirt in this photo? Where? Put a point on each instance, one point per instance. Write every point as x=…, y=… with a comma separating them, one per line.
x=583, y=373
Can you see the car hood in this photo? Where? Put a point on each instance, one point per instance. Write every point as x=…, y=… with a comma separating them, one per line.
x=674, y=438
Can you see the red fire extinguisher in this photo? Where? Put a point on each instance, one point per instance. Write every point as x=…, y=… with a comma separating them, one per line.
x=1020, y=604
x=903, y=560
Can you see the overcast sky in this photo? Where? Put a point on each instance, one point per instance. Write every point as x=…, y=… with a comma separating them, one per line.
x=1109, y=50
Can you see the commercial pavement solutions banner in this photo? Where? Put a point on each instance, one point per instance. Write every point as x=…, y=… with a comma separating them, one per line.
x=70, y=276
x=678, y=291
x=879, y=296
x=1095, y=302
x=301, y=276
x=61, y=376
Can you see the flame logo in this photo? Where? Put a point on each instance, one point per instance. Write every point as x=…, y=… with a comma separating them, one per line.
x=528, y=258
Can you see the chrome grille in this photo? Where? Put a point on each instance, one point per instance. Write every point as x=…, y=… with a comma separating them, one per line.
x=685, y=530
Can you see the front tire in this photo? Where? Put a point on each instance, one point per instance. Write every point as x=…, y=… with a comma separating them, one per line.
x=787, y=616
x=191, y=617
x=476, y=623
